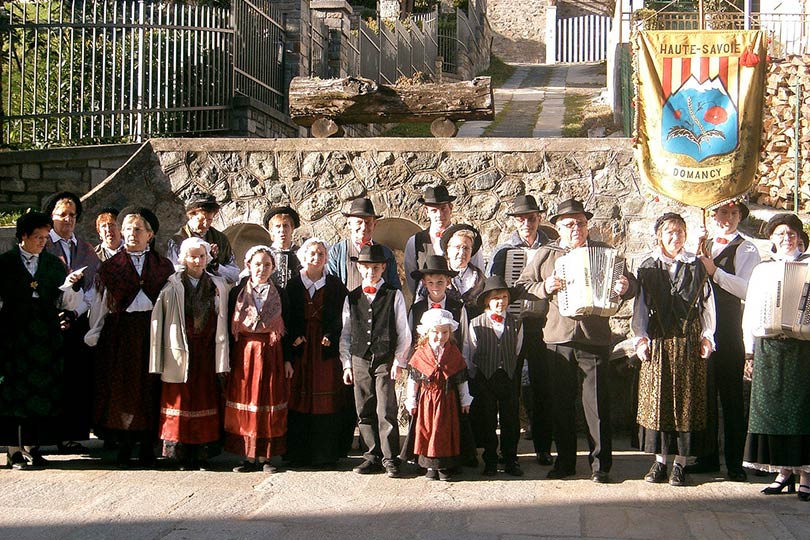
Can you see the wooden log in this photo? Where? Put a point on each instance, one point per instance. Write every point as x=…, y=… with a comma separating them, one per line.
x=355, y=100
x=442, y=127
x=325, y=127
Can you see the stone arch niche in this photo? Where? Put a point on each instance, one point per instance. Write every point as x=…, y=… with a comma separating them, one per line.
x=394, y=233
x=244, y=236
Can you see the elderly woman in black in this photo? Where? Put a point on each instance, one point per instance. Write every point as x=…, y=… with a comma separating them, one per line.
x=33, y=290
x=779, y=421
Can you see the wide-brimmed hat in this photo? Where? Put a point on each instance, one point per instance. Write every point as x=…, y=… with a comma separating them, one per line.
x=494, y=283
x=567, y=207
x=436, y=317
x=786, y=218
x=362, y=207
x=282, y=210
x=202, y=201
x=744, y=211
x=453, y=229
x=371, y=253
x=436, y=195
x=50, y=203
x=525, y=204
x=144, y=212
x=434, y=264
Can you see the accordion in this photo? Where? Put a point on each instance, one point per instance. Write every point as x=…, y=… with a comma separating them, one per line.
x=588, y=275
x=782, y=300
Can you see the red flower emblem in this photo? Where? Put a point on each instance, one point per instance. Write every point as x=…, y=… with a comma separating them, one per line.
x=716, y=115
x=748, y=58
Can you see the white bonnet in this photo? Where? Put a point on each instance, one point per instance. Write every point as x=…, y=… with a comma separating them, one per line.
x=436, y=317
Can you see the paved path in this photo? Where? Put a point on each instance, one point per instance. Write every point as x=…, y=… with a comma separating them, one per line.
x=84, y=500
x=532, y=102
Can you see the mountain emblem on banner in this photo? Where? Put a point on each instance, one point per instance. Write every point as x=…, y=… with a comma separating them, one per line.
x=700, y=120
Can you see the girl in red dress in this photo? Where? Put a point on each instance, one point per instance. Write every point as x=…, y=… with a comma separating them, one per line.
x=258, y=386
x=437, y=390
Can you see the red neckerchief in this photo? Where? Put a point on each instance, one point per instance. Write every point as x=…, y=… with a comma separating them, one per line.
x=450, y=362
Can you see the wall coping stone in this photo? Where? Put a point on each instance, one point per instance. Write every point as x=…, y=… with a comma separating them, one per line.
x=67, y=154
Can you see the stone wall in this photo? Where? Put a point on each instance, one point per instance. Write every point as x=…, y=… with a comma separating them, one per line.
x=26, y=177
x=518, y=29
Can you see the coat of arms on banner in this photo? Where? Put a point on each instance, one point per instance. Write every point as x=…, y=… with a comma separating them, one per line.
x=699, y=112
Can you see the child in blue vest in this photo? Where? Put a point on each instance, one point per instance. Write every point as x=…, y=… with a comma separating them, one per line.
x=492, y=350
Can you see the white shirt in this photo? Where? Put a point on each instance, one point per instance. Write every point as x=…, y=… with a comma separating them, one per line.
x=745, y=259
x=403, y=331
x=312, y=286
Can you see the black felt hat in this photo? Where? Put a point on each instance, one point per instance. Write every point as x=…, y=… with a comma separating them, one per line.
x=31, y=221
x=202, y=201
x=525, y=204
x=371, y=253
x=434, y=264
x=50, y=203
x=744, y=211
x=570, y=206
x=142, y=211
x=791, y=220
x=282, y=210
x=436, y=195
x=494, y=283
x=361, y=207
x=453, y=229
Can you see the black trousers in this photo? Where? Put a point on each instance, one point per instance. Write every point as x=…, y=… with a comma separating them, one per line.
x=539, y=406
x=496, y=401
x=376, y=403
x=725, y=381
x=572, y=366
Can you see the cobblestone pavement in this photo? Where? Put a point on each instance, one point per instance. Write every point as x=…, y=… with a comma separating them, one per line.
x=81, y=498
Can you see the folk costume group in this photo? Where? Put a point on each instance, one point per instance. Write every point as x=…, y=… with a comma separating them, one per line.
x=284, y=355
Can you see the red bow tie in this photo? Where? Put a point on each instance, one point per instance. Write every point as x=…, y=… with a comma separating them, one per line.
x=435, y=306
x=497, y=318
x=439, y=234
x=721, y=240
x=369, y=290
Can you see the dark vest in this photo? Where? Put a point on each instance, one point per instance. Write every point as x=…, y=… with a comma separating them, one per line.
x=493, y=353
x=118, y=276
x=453, y=306
x=727, y=305
x=672, y=303
x=374, y=328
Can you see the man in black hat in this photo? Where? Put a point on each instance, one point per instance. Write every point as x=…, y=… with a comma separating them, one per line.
x=281, y=221
x=201, y=210
x=438, y=204
x=374, y=346
x=527, y=240
x=361, y=220
x=577, y=350
x=732, y=261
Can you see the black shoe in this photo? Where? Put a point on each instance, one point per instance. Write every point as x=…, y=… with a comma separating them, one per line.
x=18, y=461
x=490, y=469
x=247, y=467
x=368, y=467
x=392, y=470
x=776, y=487
x=600, y=477
x=560, y=473
x=804, y=493
x=702, y=467
x=657, y=474
x=432, y=474
x=71, y=447
x=678, y=476
x=513, y=469
x=269, y=468
x=737, y=476
x=544, y=458
x=444, y=475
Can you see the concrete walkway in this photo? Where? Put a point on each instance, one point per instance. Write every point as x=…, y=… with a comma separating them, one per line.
x=82, y=499
x=532, y=101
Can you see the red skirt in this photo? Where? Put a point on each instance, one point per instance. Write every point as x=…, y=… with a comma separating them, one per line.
x=256, y=400
x=438, y=425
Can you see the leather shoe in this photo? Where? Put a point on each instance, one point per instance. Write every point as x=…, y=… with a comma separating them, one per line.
x=368, y=467
x=444, y=475
x=657, y=474
x=392, y=470
x=678, y=476
x=559, y=473
x=544, y=458
x=513, y=469
x=600, y=477
x=432, y=474
x=737, y=476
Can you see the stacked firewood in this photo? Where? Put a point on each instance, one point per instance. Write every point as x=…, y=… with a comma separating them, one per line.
x=776, y=175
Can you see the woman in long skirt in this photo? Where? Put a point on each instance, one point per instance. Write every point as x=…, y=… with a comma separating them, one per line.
x=779, y=421
x=258, y=386
x=673, y=323
x=321, y=418
x=189, y=348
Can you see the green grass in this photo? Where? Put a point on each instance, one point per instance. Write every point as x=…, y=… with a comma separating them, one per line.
x=498, y=71
x=573, y=125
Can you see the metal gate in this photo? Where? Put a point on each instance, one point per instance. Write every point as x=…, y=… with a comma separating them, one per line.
x=583, y=38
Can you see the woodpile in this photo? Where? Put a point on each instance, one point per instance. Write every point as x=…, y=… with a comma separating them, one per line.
x=776, y=174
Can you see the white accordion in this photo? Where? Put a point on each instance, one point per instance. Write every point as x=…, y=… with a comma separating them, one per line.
x=781, y=298
x=588, y=275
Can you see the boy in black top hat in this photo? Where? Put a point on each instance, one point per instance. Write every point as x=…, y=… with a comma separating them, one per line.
x=435, y=278
x=492, y=351
x=374, y=346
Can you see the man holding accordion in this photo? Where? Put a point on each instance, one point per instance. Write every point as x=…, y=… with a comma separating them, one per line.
x=578, y=346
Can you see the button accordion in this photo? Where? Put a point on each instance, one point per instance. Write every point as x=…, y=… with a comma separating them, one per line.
x=782, y=300
x=588, y=275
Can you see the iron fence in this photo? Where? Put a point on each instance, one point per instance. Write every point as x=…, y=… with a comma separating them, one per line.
x=460, y=36
x=125, y=70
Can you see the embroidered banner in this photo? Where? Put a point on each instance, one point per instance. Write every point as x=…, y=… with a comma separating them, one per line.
x=699, y=112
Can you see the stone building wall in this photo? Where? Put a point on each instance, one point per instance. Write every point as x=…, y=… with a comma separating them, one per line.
x=518, y=29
